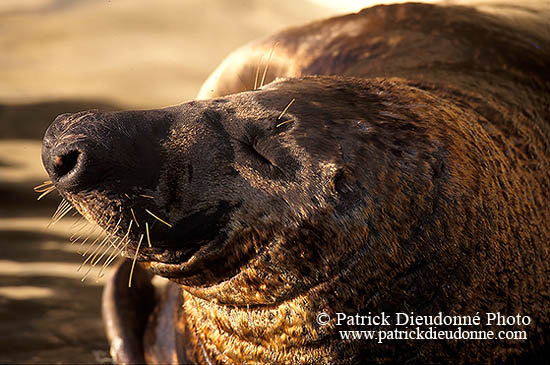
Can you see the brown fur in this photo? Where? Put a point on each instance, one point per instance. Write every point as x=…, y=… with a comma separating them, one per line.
x=411, y=177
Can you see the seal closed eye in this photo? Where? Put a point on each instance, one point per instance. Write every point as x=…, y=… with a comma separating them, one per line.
x=398, y=165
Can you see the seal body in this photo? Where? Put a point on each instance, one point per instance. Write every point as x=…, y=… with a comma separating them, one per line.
x=399, y=166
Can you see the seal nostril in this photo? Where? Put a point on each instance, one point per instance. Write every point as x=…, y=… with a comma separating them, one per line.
x=63, y=164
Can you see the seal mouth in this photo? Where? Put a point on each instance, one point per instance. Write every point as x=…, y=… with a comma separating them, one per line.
x=178, y=264
x=131, y=229
x=155, y=245
x=168, y=260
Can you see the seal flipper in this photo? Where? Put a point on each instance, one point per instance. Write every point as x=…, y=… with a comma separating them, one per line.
x=165, y=337
x=126, y=311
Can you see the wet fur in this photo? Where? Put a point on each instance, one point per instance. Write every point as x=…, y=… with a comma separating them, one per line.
x=414, y=180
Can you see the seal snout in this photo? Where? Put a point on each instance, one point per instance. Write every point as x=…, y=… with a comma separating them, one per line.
x=67, y=161
x=64, y=153
x=93, y=150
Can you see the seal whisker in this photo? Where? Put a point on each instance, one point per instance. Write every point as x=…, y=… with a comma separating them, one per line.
x=134, y=262
x=106, y=239
x=77, y=231
x=267, y=64
x=113, y=256
x=59, y=208
x=93, y=256
x=157, y=218
x=257, y=72
x=283, y=123
x=43, y=187
x=63, y=214
x=147, y=232
x=109, y=246
x=89, y=236
x=242, y=82
x=286, y=108
x=66, y=210
x=127, y=233
x=134, y=216
x=115, y=247
x=86, y=275
x=46, y=192
x=97, y=239
x=116, y=252
x=67, y=207
x=93, y=244
x=85, y=233
x=118, y=249
x=146, y=196
x=80, y=220
x=117, y=225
